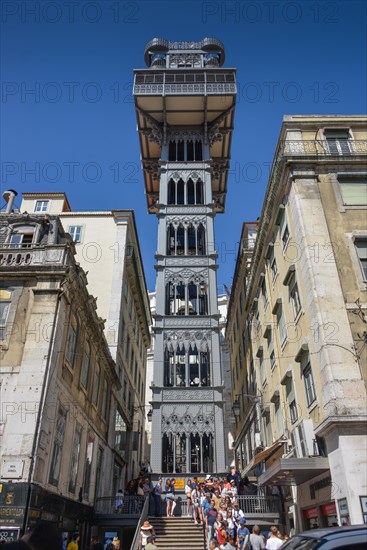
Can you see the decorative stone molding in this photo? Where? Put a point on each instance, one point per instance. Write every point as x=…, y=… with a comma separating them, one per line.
x=182, y=134
x=175, y=339
x=188, y=419
x=176, y=321
x=188, y=395
x=186, y=275
x=186, y=220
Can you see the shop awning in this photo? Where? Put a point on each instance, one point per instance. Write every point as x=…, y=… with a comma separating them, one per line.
x=263, y=455
x=294, y=471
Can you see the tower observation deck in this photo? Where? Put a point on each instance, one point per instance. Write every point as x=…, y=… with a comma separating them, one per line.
x=184, y=105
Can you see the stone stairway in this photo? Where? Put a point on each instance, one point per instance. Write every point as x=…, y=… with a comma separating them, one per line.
x=177, y=533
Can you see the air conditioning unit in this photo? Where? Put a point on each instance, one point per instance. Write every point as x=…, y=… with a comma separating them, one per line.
x=302, y=438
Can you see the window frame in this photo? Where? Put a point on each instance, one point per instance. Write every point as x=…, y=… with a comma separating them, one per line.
x=72, y=341
x=352, y=179
x=363, y=269
x=310, y=389
x=41, y=210
x=336, y=140
x=4, y=318
x=58, y=443
x=80, y=227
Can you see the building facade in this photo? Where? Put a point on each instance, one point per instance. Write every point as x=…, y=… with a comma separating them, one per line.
x=184, y=104
x=302, y=430
x=59, y=383
x=107, y=247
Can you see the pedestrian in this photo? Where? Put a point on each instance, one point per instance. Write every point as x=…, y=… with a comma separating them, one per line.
x=243, y=533
x=43, y=536
x=119, y=501
x=217, y=498
x=233, y=489
x=213, y=545
x=211, y=518
x=151, y=543
x=173, y=481
x=196, y=498
x=146, y=530
x=157, y=492
x=116, y=543
x=273, y=542
x=188, y=492
x=74, y=543
x=256, y=540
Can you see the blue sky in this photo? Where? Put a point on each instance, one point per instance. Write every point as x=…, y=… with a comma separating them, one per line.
x=77, y=131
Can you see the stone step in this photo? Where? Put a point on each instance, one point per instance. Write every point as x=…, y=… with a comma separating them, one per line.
x=173, y=533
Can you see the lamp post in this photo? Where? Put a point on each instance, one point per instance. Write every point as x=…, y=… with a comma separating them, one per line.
x=236, y=407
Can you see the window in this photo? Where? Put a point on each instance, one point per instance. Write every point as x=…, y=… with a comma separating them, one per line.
x=338, y=141
x=180, y=192
x=262, y=368
x=76, y=233
x=293, y=413
x=273, y=268
x=22, y=237
x=264, y=294
x=285, y=237
x=353, y=190
x=188, y=299
x=5, y=301
x=282, y=329
x=88, y=466
x=97, y=376
x=84, y=376
x=105, y=400
x=185, y=150
x=309, y=384
x=41, y=206
x=294, y=297
x=361, y=248
x=279, y=418
x=58, y=444
x=75, y=458
x=72, y=339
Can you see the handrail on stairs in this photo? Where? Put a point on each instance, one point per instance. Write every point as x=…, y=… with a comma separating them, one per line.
x=143, y=517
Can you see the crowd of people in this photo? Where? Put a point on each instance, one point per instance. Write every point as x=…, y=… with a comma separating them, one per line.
x=214, y=504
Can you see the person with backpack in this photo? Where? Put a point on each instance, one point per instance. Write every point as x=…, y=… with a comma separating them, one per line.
x=243, y=535
x=157, y=492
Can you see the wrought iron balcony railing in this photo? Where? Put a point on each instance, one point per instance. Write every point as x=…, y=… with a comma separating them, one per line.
x=259, y=504
x=128, y=505
x=330, y=147
x=208, y=82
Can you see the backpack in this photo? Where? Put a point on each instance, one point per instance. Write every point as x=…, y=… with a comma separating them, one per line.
x=247, y=544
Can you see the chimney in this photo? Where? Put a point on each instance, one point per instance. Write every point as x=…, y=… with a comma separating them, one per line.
x=9, y=197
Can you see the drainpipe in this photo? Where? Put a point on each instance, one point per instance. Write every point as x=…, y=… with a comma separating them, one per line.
x=36, y=437
x=9, y=197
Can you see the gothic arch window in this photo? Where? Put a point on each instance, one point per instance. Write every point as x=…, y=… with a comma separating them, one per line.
x=194, y=379
x=180, y=192
x=171, y=192
x=199, y=192
x=201, y=250
x=204, y=369
x=186, y=240
x=193, y=299
x=180, y=367
x=168, y=368
x=185, y=150
x=174, y=453
x=180, y=241
x=190, y=192
x=186, y=299
x=171, y=240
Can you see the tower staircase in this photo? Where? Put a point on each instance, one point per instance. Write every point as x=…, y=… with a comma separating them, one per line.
x=178, y=533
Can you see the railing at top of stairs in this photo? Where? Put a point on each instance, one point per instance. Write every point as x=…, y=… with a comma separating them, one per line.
x=143, y=517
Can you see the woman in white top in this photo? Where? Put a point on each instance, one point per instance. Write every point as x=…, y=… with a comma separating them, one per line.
x=196, y=500
x=273, y=542
x=188, y=493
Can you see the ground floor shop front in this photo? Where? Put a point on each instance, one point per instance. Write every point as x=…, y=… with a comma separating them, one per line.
x=22, y=505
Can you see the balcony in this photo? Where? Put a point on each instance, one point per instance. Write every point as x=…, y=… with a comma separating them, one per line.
x=208, y=82
x=15, y=255
x=317, y=148
x=132, y=506
x=260, y=509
